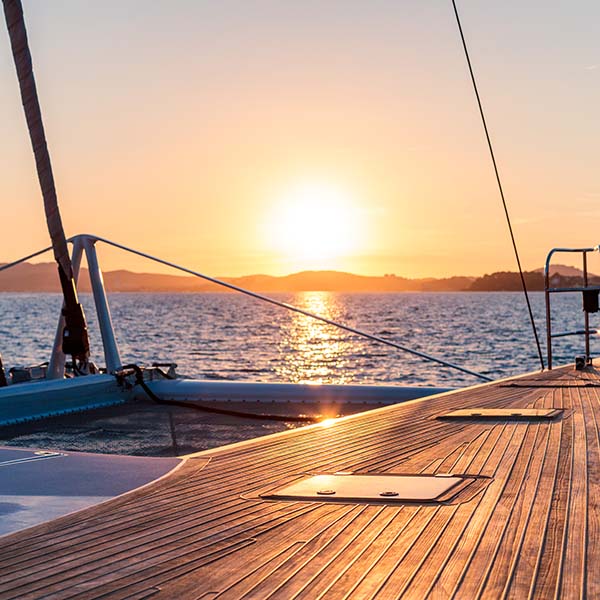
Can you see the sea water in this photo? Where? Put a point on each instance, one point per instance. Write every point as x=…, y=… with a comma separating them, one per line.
x=232, y=337
x=225, y=336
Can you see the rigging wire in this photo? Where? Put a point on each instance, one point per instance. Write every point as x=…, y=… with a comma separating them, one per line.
x=268, y=299
x=499, y=182
x=14, y=263
x=291, y=307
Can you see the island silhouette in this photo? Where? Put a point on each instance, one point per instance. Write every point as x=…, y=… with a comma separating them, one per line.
x=42, y=277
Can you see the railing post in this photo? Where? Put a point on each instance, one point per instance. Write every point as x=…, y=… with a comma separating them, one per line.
x=548, y=317
x=548, y=332
x=111, y=349
x=56, y=368
x=585, y=312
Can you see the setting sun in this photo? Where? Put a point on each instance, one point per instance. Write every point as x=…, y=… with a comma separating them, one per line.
x=314, y=224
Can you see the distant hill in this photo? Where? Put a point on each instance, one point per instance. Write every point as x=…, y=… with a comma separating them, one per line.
x=507, y=281
x=42, y=277
x=565, y=271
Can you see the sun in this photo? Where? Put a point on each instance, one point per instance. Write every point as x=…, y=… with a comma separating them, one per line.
x=314, y=225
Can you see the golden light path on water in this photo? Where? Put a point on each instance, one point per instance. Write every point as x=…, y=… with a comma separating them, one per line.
x=313, y=352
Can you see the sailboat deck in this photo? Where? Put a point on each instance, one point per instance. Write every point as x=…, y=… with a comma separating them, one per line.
x=527, y=527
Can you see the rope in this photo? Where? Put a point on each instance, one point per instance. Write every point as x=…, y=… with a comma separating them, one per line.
x=139, y=380
x=13, y=12
x=75, y=337
x=489, y=142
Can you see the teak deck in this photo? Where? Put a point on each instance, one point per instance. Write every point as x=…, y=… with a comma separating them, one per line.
x=528, y=526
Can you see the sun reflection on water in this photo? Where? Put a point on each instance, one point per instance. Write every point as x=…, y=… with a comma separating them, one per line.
x=313, y=352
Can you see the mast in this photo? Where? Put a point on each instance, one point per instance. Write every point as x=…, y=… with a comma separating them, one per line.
x=75, y=337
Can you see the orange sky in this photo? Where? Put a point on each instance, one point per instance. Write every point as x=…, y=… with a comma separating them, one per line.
x=269, y=137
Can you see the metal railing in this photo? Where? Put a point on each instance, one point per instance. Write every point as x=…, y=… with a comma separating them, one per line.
x=548, y=290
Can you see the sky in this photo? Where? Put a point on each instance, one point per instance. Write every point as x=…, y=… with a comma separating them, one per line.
x=245, y=136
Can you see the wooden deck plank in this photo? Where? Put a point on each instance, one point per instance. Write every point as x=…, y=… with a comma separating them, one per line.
x=464, y=568
x=424, y=579
x=525, y=561
x=509, y=551
x=575, y=557
x=549, y=567
x=530, y=531
x=591, y=406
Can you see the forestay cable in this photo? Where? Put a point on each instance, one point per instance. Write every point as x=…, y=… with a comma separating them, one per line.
x=263, y=298
x=268, y=299
x=491, y=148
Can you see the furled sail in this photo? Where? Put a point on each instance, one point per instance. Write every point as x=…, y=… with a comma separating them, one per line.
x=75, y=338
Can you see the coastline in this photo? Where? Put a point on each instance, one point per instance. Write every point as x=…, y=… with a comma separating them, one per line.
x=41, y=278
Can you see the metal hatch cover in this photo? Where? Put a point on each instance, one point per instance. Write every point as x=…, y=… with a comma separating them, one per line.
x=513, y=414
x=369, y=488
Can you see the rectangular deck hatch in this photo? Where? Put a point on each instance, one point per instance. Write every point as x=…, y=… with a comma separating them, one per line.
x=510, y=414
x=370, y=488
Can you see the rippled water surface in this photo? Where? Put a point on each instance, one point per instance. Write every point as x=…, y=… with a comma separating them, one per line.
x=224, y=336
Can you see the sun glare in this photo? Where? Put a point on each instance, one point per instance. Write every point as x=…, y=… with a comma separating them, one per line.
x=312, y=225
